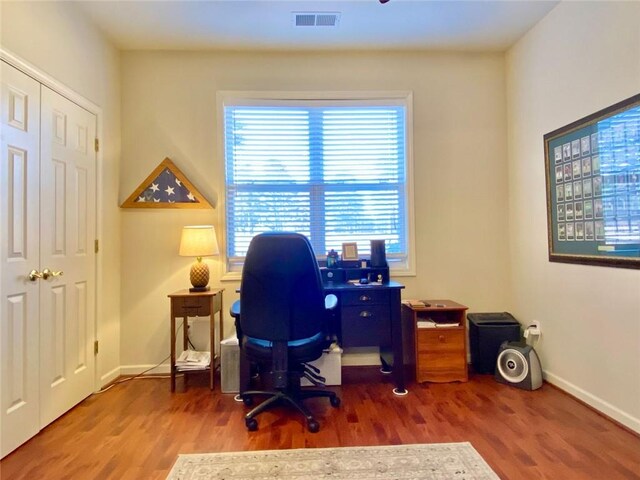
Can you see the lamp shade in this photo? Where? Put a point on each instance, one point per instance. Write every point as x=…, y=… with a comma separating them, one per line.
x=198, y=241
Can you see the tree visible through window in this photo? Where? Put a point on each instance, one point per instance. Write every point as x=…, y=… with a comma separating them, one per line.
x=333, y=171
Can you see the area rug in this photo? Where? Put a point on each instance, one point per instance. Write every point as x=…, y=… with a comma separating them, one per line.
x=437, y=461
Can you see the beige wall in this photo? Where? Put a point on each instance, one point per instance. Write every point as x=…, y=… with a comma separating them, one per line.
x=56, y=40
x=581, y=58
x=169, y=110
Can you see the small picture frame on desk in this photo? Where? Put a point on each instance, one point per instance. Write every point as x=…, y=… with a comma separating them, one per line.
x=350, y=251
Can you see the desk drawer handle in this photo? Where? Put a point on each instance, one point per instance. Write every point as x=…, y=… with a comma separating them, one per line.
x=365, y=298
x=365, y=314
x=441, y=338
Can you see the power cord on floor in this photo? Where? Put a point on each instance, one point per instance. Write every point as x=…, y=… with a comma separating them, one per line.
x=141, y=374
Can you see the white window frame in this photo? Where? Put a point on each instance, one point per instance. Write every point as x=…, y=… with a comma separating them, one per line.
x=234, y=98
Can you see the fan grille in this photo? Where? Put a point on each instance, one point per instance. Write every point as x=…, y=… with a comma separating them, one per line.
x=513, y=366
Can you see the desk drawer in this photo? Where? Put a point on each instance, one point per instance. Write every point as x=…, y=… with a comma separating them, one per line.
x=441, y=355
x=365, y=326
x=365, y=297
x=441, y=340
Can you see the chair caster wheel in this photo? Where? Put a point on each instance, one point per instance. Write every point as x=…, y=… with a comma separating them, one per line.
x=248, y=401
x=252, y=424
x=313, y=426
x=335, y=402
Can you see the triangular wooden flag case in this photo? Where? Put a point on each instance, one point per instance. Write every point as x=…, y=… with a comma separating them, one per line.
x=166, y=187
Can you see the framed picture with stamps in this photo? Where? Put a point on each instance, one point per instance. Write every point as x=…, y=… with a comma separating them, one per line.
x=592, y=171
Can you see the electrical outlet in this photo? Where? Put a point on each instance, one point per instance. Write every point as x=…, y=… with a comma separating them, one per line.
x=535, y=327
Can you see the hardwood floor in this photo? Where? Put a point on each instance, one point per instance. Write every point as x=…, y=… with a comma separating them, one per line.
x=137, y=429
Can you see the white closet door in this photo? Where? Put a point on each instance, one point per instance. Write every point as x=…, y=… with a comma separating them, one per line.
x=19, y=244
x=68, y=231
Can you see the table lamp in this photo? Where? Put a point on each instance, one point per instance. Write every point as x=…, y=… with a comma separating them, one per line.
x=199, y=241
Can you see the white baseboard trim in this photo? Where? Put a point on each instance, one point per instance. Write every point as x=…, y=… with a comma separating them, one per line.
x=597, y=403
x=359, y=357
x=109, y=376
x=137, y=369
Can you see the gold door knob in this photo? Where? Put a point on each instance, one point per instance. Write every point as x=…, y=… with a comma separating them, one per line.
x=46, y=273
x=34, y=275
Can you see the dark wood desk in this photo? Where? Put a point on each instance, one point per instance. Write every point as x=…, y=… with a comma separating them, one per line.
x=369, y=316
x=366, y=316
x=187, y=304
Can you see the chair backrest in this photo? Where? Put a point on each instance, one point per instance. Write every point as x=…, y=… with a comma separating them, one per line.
x=281, y=292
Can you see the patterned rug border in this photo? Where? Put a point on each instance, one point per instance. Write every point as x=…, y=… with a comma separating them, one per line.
x=327, y=463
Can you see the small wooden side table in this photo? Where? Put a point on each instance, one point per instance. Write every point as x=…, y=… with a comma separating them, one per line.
x=187, y=304
x=440, y=350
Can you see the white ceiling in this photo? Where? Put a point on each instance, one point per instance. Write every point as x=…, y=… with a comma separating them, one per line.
x=267, y=25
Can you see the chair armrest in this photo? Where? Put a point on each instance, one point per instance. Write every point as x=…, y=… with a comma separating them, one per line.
x=235, y=309
x=330, y=302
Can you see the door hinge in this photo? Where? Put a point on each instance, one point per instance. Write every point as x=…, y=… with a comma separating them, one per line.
x=96, y=247
x=95, y=347
x=97, y=145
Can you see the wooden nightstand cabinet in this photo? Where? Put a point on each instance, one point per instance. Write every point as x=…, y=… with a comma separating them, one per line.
x=185, y=304
x=440, y=351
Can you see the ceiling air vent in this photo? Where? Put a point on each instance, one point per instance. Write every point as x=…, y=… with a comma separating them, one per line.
x=316, y=19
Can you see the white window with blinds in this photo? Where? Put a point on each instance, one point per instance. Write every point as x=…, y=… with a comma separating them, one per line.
x=336, y=170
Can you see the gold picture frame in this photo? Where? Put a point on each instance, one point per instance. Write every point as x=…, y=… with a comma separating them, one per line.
x=350, y=251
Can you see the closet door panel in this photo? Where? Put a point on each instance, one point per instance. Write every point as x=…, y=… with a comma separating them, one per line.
x=68, y=227
x=19, y=254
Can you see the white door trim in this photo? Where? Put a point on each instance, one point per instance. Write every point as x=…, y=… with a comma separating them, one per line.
x=55, y=85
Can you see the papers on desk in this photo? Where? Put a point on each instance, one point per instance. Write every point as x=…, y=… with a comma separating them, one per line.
x=192, y=360
x=368, y=284
x=416, y=303
x=430, y=323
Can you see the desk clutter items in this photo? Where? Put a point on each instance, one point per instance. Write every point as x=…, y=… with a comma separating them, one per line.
x=378, y=253
x=415, y=303
x=332, y=259
x=193, y=360
x=355, y=275
x=350, y=258
x=437, y=330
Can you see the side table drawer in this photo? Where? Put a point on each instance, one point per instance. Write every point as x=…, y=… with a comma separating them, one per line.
x=363, y=326
x=190, y=306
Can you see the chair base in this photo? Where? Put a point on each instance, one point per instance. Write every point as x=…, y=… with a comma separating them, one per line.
x=283, y=397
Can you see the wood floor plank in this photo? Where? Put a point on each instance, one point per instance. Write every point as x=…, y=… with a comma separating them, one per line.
x=137, y=429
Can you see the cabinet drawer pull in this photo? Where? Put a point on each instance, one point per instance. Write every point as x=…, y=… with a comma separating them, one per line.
x=365, y=298
x=365, y=314
x=441, y=338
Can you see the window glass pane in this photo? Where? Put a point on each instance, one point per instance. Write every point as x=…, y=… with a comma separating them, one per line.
x=362, y=215
x=363, y=145
x=267, y=145
x=333, y=173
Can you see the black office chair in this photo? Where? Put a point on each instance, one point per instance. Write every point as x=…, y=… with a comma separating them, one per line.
x=282, y=319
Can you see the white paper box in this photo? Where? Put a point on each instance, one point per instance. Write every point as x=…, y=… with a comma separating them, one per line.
x=230, y=365
x=330, y=365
